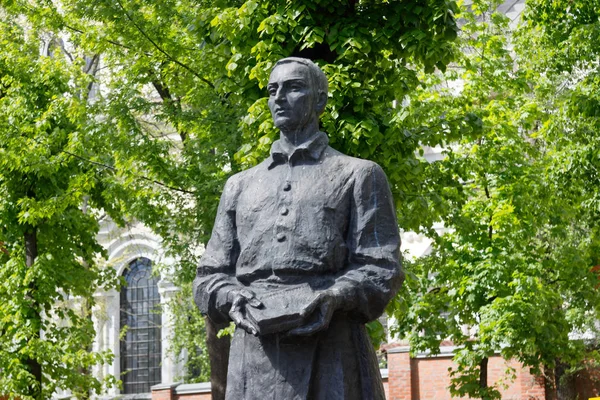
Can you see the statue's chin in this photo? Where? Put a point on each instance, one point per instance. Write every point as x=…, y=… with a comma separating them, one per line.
x=280, y=120
x=290, y=125
x=285, y=125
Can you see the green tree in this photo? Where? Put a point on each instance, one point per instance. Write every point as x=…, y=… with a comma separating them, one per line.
x=558, y=42
x=48, y=270
x=565, y=54
x=511, y=274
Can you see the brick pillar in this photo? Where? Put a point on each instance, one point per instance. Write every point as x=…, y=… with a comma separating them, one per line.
x=532, y=387
x=164, y=391
x=399, y=378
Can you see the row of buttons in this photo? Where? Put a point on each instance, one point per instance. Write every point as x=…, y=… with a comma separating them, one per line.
x=283, y=211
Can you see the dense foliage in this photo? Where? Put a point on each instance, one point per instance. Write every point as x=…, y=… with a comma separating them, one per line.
x=566, y=57
x=512, y=272
x=47, y=240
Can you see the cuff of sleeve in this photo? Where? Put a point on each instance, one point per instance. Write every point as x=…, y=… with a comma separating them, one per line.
x=223, y=300
x=346, y=295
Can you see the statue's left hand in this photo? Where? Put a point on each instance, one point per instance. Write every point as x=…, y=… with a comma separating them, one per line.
x=241, y=299
x=318, y=313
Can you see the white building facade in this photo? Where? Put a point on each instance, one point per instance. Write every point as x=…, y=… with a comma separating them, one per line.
x=135, y=324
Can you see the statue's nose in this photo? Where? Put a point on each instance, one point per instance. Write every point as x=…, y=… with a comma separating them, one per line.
x=279, y=96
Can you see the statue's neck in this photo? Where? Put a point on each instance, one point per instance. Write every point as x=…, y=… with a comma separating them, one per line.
x=300, y=135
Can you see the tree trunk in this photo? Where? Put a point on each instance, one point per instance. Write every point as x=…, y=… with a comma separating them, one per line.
x=86, y=306
x=86, y=371
x=33, y=365
x=218, y=354
x=564, y=382
x=483, y=373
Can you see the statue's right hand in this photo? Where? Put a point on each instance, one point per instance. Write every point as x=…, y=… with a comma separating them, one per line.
x=241, y=298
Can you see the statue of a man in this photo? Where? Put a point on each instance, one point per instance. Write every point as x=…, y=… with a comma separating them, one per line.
x=303, y=253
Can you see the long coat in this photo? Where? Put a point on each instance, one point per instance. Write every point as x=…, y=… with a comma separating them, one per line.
x=306, y=215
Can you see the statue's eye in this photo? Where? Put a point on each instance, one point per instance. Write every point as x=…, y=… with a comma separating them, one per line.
x=272, y=91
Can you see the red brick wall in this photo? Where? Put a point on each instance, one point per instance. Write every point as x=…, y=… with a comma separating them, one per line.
x=532, y=387
x=164, y=394
x=428, y=378
x=587, y=383
x=386, y=388
x=399, y=378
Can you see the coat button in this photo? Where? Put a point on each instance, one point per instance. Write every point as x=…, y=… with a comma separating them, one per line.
x=287, y=186
x=284, y=211
x=280, y=237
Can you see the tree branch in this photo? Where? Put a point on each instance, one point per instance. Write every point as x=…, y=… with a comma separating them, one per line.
x=160, y=49
x=113, y=42
x=489, y=197
x=136, y=175
x=165, y=95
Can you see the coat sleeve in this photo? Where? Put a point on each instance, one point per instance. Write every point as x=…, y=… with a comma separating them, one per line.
x=373, y=273
x=215, y=277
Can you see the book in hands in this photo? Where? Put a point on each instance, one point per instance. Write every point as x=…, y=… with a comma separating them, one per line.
x=282, y=309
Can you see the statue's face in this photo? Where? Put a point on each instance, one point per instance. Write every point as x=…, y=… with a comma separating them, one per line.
x=292, y=99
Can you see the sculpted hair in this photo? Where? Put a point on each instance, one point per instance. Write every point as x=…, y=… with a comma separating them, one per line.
x=317, y=76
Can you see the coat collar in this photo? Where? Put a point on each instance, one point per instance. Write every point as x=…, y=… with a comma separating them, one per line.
x=282, y=150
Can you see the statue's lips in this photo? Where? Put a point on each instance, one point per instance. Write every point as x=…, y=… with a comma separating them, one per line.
x=281, y=111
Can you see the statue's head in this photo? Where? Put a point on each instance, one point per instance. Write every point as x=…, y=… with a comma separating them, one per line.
x=297, y=93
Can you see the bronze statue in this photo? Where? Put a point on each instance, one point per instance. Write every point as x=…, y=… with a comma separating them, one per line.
x=303, y=253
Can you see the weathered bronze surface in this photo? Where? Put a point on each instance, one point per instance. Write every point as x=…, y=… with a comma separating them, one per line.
x=303, y=253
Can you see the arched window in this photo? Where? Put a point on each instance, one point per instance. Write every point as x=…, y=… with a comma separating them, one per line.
x=140, y=317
